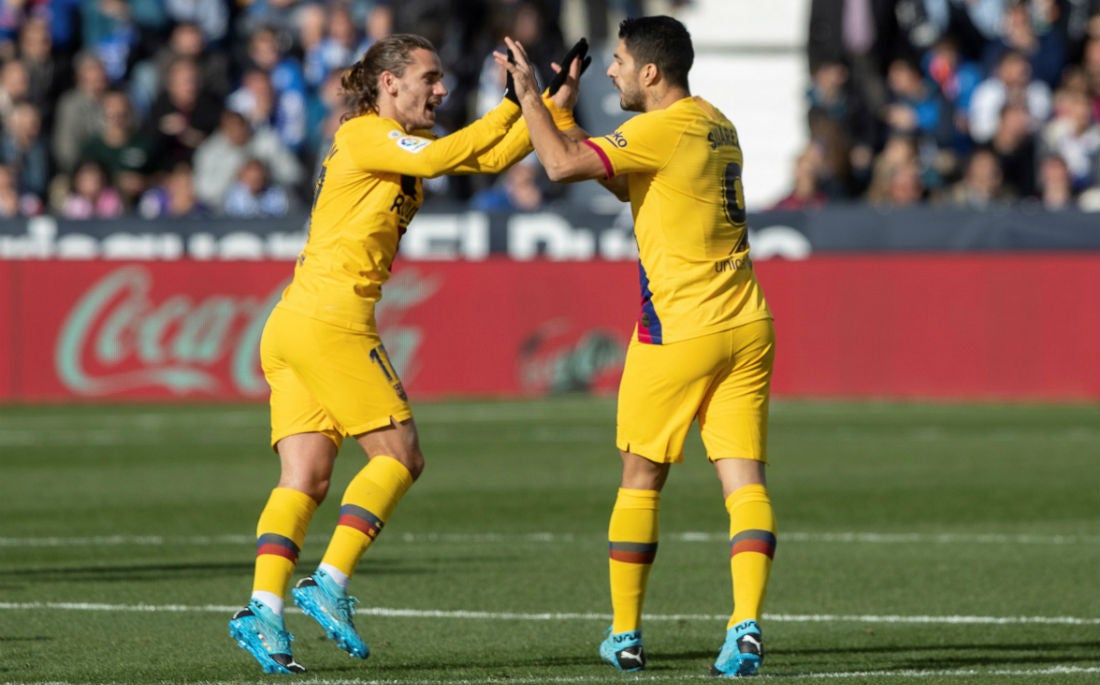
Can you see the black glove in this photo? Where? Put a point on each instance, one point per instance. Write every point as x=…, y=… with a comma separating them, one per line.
x=578, y=51
x=509, y=82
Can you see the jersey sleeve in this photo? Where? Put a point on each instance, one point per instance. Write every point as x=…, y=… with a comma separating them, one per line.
x=515, y=145
x=383, y=149
x=641, y=144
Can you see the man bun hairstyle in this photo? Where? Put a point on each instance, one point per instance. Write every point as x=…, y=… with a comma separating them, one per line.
x=393, y=54
x=662, y=41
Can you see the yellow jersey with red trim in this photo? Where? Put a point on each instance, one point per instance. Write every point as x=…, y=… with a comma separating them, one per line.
x=684, y=167
x=368, y=190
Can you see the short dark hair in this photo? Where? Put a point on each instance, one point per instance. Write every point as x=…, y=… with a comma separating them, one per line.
x=662, y=41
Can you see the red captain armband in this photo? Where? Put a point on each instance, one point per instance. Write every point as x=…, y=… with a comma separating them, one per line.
x=608, y=169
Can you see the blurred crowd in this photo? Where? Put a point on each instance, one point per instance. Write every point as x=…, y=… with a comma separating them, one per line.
x=200, y=108
x=967, y=103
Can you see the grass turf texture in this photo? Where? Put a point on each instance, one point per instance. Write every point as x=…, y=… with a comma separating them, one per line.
x=917, y=544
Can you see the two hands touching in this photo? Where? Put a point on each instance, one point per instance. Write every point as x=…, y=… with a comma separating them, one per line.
x=564, y=85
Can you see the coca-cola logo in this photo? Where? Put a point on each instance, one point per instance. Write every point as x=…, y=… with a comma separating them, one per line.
x=117, y=339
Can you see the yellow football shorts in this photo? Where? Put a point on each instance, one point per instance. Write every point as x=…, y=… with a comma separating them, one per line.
x=327, y=379
x=723, y=379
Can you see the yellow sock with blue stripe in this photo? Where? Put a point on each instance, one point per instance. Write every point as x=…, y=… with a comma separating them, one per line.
x=368, y=502
x=280, y=533
x=632, y=537
x=752, y=547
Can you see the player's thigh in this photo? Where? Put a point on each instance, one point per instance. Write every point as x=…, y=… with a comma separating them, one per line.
x=294, y=409
x=348, y=373
x=733, y=421
x=661, y=391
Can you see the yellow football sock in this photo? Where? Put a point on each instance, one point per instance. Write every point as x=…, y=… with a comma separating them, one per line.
x=368, y=503
x=752, y=546
x=279, y=536
x=632, y=537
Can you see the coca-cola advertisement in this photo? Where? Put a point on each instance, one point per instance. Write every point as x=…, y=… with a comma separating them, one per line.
x=1023, y=326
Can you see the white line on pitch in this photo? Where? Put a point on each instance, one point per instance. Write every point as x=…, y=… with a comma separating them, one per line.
x=565, y=616
x=548, y=537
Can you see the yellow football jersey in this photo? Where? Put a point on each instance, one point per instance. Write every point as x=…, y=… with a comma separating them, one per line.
x=368, y=191
x=684, y=176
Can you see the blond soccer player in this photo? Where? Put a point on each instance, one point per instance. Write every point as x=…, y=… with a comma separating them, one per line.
x=321, y=353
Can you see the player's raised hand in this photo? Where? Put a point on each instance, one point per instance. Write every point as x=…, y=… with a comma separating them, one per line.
x=564, y=86
x=521, y=75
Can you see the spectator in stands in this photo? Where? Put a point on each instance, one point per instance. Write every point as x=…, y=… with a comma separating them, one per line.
x=1074, y=136
x=518, y=189
x=1016, y=146
x=253, y=195
x=90, y=195
x=47, y=75
x=173, y=197
x=1055, y=184
x=918, y=110
x=219, y=159
x=267, y=54
x=844, y=129
x=324, y=110
x=186, y=40
x=1045, y=52
x=805, y=194
x=110, y=33
x=982, y=186
x=378, y=23
x=1012, y=81
x=79, y=112
x=15, y=87
x=124, y=149
x=896, y=175
x=860, y=34
x=264, y=107
x=183, y=114
x=25, y=152
x=956, y=78
x=337, y=46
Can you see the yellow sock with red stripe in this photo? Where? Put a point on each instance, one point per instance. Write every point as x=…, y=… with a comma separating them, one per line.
x=368, y=502
x=280, y=533
x=752, y=547
x=632, y=537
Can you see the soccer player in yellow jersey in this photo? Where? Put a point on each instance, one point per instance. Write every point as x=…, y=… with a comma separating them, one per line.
x=703, y=344
x=329, y=372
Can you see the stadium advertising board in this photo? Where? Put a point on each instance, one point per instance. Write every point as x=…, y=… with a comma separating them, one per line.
x=995, y=326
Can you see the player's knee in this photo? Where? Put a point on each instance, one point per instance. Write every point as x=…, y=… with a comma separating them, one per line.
x=413, y=460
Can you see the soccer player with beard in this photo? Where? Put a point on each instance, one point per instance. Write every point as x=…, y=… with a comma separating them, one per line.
x=329, y=372
x=703, y=345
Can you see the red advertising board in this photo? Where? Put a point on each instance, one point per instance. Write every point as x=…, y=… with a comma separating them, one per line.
x=937, y=326
x=7, y=329
x=923, y=326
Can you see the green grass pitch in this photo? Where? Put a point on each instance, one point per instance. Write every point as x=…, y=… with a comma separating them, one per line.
x=919, y=544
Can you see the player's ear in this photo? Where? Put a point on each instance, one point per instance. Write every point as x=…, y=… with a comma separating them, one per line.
x=388, y=81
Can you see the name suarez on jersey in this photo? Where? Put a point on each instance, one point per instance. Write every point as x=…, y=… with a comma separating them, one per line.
x=723, y=135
